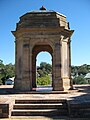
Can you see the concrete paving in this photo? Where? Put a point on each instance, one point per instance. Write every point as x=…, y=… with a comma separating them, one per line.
x=82, y=96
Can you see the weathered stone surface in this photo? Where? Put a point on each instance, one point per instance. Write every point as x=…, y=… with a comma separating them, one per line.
x=45, y=107
x=42, y=31
x=4, y=110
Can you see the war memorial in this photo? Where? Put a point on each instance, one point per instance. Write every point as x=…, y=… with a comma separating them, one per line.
x=37, y=31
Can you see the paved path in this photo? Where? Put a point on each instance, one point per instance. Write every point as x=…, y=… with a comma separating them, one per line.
x=82, y=96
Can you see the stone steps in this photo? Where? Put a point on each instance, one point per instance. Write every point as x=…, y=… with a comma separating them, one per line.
x=40, y=107
x=36, y=106
x=35, y=101
x=38, y=112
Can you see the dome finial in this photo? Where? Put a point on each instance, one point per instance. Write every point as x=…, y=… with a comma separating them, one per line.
x=42, y=8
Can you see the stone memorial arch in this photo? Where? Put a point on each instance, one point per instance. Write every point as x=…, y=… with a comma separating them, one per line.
x=37, y=31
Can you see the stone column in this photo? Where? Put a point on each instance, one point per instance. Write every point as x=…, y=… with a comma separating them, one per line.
x=53, y=73
x=57, y=67
x=65, y=64
x=30, y=63
x=26, y=66
x=34, y=70
x=15, y=80
x=18, y=64
x=69, y=55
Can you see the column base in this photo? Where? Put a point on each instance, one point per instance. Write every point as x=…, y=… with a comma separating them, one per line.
x=67, y=83
x=22, y=85
x=57, y=85
x=58, y=89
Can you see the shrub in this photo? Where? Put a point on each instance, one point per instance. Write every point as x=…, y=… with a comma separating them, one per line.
x=79, y=80
x=43, y=81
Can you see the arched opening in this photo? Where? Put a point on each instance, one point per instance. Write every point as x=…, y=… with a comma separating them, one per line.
x=43, y=57
x=44, y=71
x=45, y=77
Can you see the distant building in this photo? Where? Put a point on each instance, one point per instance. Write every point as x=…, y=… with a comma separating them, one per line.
x=87, y=77
x=9, y=81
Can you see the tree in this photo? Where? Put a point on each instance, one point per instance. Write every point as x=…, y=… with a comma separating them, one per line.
x=44, y=69
x=6, y=71
x=10, y=70
x=41, y=73
x=1, y=70
x=43, y=65
x=83, y=70
x=74, y=70
x=80, y=70
x=44, y=80
x=48, y=68
x=79, y=80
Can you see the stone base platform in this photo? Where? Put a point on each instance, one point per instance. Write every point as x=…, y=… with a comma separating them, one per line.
x=78, y=102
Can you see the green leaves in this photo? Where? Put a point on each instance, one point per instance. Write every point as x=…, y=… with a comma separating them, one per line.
x=79, y=80
x=43, y=81
x=6, y=71
x=44, y=69
x=78, y=73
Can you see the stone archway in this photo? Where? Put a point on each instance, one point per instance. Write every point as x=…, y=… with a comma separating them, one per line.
x=35, y=51
x=42, y=31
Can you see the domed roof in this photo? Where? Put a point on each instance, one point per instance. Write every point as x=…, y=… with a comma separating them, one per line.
x=42, y=18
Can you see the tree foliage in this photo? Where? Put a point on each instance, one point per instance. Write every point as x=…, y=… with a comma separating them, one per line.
x=6, y=71
x=79, y=80
x=44, y=80
x=44, y=69
x=80, y=70
x=78, y=73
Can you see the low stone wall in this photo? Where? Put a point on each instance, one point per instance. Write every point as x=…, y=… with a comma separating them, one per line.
x=4, y=110
x=6, y=106
x=79, y=109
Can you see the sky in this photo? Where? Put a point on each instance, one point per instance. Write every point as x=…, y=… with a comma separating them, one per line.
x=76, y=11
